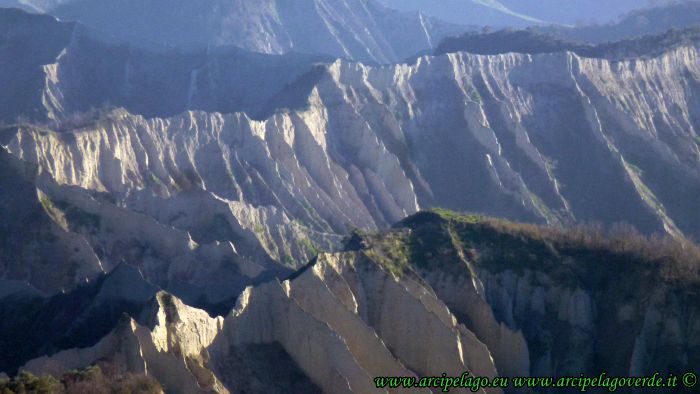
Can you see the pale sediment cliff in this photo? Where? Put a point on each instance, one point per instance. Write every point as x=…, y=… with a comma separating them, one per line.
x=162, y=211
x=542, y=302
x=341, y=321
x=556, y=138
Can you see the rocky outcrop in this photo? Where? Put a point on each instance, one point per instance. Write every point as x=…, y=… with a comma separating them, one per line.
x=33, y=243
x=466, y=298
x=518, y=300
x=503, y=125
x=283, y=162
x=365, y=306
x=567, y=334
x=34, y=324
x=140, y=224
x=341, y=321
x=552, y=303
x=554, y=138
x=375, y=144
x=203, y=248
x=139, y=350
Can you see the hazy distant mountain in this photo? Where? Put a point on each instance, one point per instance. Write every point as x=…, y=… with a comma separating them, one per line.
x=29, y=41
x=153, y=83
x=531, y=42
x=519, y=13
x=39, y=6
x=574, y=12
x=361, y=30
x=466, y=12
x=654, y=20
x=18, y=4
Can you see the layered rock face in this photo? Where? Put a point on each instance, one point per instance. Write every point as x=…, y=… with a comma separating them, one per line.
x=92, y=229
x=203, y=248
x=33, y=242
x=176, y=210
x=556, y=138
x=549, y=302
x=538, y=136
x=518, y=300
x=339, y=323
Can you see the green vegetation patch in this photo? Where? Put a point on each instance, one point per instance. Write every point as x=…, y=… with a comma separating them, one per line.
x=389, y=250
x=423, y=242
x=309, y=247
x=440, y=240
x=28, y=383
x=104, y=378
x=584, y=256
x=463, y=218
